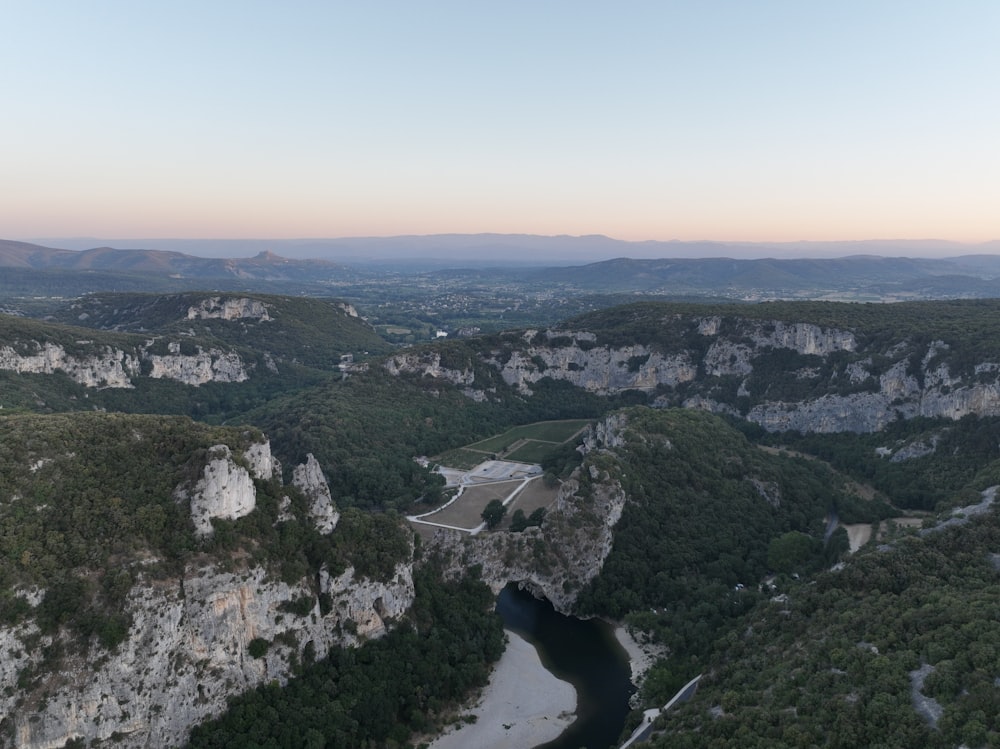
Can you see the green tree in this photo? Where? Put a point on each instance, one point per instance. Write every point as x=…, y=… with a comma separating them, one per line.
x=493, y=513
x=791, y=551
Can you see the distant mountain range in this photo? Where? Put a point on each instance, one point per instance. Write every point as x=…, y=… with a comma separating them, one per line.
x=31, y=269
x=860, y=276
x=478, y=250
x=47, y=271
x=263, y=265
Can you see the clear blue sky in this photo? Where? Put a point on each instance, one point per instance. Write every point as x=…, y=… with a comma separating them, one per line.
x=758, y=120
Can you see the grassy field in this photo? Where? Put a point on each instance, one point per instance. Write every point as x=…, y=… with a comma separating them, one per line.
x=530, y=451
x=554, y=432
x=462, y=458
x=529, y=443
x=467, y=512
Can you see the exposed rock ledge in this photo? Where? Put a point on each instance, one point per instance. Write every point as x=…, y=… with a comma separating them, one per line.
x=187, y=653
x=225, y=490
x=232, y=308
x=106, y=367
x=309, y=478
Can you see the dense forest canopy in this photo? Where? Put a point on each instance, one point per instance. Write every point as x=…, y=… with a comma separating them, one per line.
x=898, y=648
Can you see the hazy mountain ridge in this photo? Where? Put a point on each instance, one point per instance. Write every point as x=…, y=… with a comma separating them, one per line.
x=532, y=249
x=487, y=261
x=265, y=265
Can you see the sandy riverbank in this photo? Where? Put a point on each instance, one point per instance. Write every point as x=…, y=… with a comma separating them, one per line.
x=641, y=657
x=523, y=705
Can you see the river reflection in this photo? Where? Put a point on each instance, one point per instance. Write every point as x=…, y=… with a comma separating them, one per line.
x=584, y=653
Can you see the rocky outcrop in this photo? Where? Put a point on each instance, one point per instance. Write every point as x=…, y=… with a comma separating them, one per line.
x=189, y=650
x=101, y=366
x=308, y=478
x=739, y=367
x=427, y=364
x=197, y=369
x=225, y=490
x=348, y=309
x=261, y=463
x=805, y=338
x=106, y=367
x=231, y=308
x=221, y=625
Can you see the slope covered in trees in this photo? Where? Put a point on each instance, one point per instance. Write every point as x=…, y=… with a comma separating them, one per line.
x=89, y=501
x=708, y=512
x=709, y=515
x=369, y=427
x=899, y=648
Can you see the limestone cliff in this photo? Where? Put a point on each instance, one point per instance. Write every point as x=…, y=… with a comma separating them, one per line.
x=229, y=308
x=97, y=365
x=779, y=374
x=308, y=477
x=213, y=365
x=188, y=651
x=102, y=367
x=225, y=490
x=427, y=364
x=197, y=627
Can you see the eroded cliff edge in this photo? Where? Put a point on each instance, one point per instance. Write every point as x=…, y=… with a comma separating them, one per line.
x=558, y=559
x=780, y=374
x=136, y=648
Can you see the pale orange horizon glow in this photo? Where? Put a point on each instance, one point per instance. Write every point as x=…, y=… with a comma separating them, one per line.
x=746, y=122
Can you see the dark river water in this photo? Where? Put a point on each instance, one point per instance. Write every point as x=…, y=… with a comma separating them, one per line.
x=584, y=653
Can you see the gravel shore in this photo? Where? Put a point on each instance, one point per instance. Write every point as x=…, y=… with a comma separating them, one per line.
x=522, y=706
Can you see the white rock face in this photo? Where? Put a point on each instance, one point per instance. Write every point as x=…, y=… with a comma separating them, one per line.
x=197, y=369
x=109, y=367
x=348, y=309
x=805, y=338
x=229, y=309
x=225, y=490
x=309, y=478
x=728, y=358
x=105, y=368
x=599, y=369
x=263, y=465
x=368, y=605
x=427, y=364
x=187, y=652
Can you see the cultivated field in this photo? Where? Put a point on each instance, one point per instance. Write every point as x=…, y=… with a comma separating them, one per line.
x=535, y=495
x=489, y=470
x=529, y=443
x=467, y=511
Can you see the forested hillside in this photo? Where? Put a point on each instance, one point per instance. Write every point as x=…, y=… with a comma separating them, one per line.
x=899, y=648
x=709, y=515
x=210, y=356
x=799, y=417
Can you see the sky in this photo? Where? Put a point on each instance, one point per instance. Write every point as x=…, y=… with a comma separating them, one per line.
x=730, y=120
